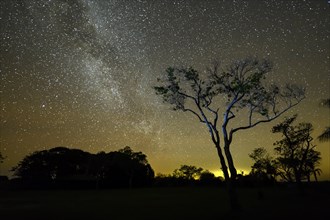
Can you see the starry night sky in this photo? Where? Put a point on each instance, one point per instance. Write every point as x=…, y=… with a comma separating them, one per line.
x=80, y=73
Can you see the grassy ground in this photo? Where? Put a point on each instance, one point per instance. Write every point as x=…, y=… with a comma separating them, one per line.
x=165, y=203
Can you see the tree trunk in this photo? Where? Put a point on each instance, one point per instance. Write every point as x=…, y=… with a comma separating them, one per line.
x=315, y=176
x=230, y=184
x=233, y=198
x=232, y=169
x=299, y=182
x=223, y=167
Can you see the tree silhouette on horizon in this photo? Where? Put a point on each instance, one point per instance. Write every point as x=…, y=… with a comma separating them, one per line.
x=264, y=166
x=188, y=172
x=297, y=158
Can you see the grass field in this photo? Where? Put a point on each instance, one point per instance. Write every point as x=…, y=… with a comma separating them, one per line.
x=165, y=203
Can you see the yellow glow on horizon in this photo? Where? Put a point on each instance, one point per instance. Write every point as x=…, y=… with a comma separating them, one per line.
x=218, y=173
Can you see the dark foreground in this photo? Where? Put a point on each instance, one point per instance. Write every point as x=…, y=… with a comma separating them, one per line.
x=166, y=203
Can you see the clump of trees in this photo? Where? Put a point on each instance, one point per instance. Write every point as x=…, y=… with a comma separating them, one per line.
x=64, y=167
x=296, y=156
x=188, y=175
x=188, y=172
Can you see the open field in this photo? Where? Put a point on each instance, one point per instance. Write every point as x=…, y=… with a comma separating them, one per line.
x=165, y=203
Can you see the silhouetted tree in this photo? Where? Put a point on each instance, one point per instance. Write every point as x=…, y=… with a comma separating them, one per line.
x=122, y=168
x=35, y=166
x=264, y=167
x=297, y=158
x=205, y=174
x=138, y=168
x=207, y=178
x=188, y=172
x=242, y=83
x=311, y=165
x=325, y=136
x=56, y=163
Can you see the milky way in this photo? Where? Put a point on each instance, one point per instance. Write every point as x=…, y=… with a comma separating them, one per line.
x=80, y=73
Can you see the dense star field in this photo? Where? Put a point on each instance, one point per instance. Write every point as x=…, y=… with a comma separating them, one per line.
x=80, y=73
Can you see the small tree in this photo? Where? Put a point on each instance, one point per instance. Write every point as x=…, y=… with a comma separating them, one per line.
x=188, y=172
x=297, y=158
x=264, y=165
x=243, y=85
x=208, y=178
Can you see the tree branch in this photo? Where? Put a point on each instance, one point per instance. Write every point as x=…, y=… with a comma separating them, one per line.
x=186, y=95
x=195, y=113
x=207, y=122
x=266, y=120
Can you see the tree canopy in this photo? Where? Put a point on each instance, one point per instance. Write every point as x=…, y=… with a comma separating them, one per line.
x=264, y=167
x=188, y=172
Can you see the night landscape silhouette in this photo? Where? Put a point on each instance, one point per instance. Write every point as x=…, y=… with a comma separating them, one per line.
x=176, y=109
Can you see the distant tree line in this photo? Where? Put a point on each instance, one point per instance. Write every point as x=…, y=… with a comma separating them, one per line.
x=65, y=168
x=188, y=175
